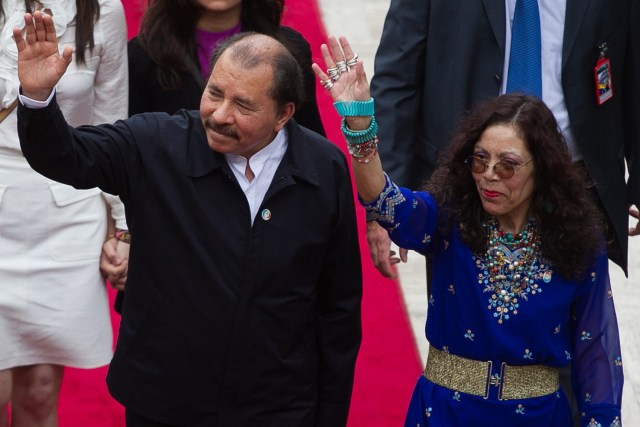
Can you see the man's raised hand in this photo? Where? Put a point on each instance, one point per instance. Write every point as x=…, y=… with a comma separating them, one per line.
x=40, y=65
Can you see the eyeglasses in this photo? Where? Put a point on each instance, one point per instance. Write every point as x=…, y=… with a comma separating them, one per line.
x=504, y=170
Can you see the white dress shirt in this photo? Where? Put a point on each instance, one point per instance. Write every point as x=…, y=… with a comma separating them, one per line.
x=263, y=164
x=552, y=18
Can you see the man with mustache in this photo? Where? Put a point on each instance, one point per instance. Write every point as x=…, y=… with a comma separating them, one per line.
x=244, y=282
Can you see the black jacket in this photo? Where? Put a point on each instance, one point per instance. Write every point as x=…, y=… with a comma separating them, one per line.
x=225, y=324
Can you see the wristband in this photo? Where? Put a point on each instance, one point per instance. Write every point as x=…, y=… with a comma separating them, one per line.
x=123, y=236
x=358, y=137
x=354, y=108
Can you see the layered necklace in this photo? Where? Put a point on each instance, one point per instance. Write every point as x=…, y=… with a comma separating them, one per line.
x=511, y=268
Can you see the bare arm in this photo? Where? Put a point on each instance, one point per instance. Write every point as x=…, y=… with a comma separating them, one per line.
x=352, y=85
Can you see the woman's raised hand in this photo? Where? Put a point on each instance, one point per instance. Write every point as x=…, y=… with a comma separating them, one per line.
x=40, y=65
x=344, y=78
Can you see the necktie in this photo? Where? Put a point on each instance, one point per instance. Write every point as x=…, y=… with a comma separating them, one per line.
x=525, y=65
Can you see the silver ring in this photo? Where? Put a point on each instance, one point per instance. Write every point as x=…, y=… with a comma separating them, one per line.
x=333, y=73
x=342, y=66
x=328, y=84
x=353, y=61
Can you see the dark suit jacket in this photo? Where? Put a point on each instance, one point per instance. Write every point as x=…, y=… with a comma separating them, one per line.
x=438, y=58
x=225, y=324
x=146, y=94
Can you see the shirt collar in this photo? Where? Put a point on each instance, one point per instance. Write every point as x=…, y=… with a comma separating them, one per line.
x=297, y=160
x=275, y=149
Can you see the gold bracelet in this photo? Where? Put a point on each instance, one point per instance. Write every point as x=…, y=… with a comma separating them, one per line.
x=123, y=236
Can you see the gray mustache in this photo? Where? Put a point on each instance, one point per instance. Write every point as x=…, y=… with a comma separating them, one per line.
x=225, y=130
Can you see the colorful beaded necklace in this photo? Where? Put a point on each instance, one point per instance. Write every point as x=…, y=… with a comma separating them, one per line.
x=509, y=267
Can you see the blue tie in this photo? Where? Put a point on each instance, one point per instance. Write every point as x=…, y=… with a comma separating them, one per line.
x=525, y=65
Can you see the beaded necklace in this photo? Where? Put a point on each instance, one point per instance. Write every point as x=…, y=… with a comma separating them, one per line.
x=510, y=268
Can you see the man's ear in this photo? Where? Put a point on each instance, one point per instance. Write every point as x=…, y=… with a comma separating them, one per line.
x=285, y=114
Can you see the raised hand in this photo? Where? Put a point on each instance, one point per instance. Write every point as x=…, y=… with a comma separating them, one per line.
x=344, y=80
x=40, y=65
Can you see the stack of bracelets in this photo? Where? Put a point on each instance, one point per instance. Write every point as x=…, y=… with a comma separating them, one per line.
x=362, y=144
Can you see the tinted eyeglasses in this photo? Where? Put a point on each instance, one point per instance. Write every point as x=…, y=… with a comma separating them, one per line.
x=503, y=169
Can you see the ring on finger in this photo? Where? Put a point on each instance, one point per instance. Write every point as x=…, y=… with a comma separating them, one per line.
x=342, y=66
x=333, y=73
x=353, y=61
x=327, y=84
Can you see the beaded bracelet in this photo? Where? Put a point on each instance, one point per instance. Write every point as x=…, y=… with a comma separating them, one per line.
x=369, y=157
x=358, y=137
x=354, y=108
x=365, y=151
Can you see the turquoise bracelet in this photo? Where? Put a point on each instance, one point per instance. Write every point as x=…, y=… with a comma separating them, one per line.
x=358, y=137
x=354, y=108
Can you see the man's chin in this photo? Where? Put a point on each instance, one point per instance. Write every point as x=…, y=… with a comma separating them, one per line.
x=218, y=146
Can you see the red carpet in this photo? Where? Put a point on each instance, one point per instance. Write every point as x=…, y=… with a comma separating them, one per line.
x=388, y=364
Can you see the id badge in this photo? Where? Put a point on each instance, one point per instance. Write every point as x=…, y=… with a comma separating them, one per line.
x=604, y=83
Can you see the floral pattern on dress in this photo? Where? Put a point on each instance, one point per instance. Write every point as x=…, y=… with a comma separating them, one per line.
x=470, y=335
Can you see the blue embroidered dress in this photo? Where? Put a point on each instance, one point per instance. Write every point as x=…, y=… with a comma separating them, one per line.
x=550, y=322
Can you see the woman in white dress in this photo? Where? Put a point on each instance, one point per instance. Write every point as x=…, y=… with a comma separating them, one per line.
x=53, y=300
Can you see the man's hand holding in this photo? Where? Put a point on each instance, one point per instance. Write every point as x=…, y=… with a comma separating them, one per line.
x=380, y=249
x=114, y=262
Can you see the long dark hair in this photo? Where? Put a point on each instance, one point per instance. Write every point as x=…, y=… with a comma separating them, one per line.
x=88, y=12
x=167, y=31
x=569, y=223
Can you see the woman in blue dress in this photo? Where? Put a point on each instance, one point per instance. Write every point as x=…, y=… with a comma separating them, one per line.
x=520, y=280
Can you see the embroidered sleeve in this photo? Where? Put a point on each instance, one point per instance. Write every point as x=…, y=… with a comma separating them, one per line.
x=382, y=209
x=597, y=362
x=410, y=217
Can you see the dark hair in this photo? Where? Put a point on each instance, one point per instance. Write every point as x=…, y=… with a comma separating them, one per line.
x=246, y=50
x=88, y=12
x=569, y=223
x=167, y=31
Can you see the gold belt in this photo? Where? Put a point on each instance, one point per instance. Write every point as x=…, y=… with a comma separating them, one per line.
x=475, y=377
